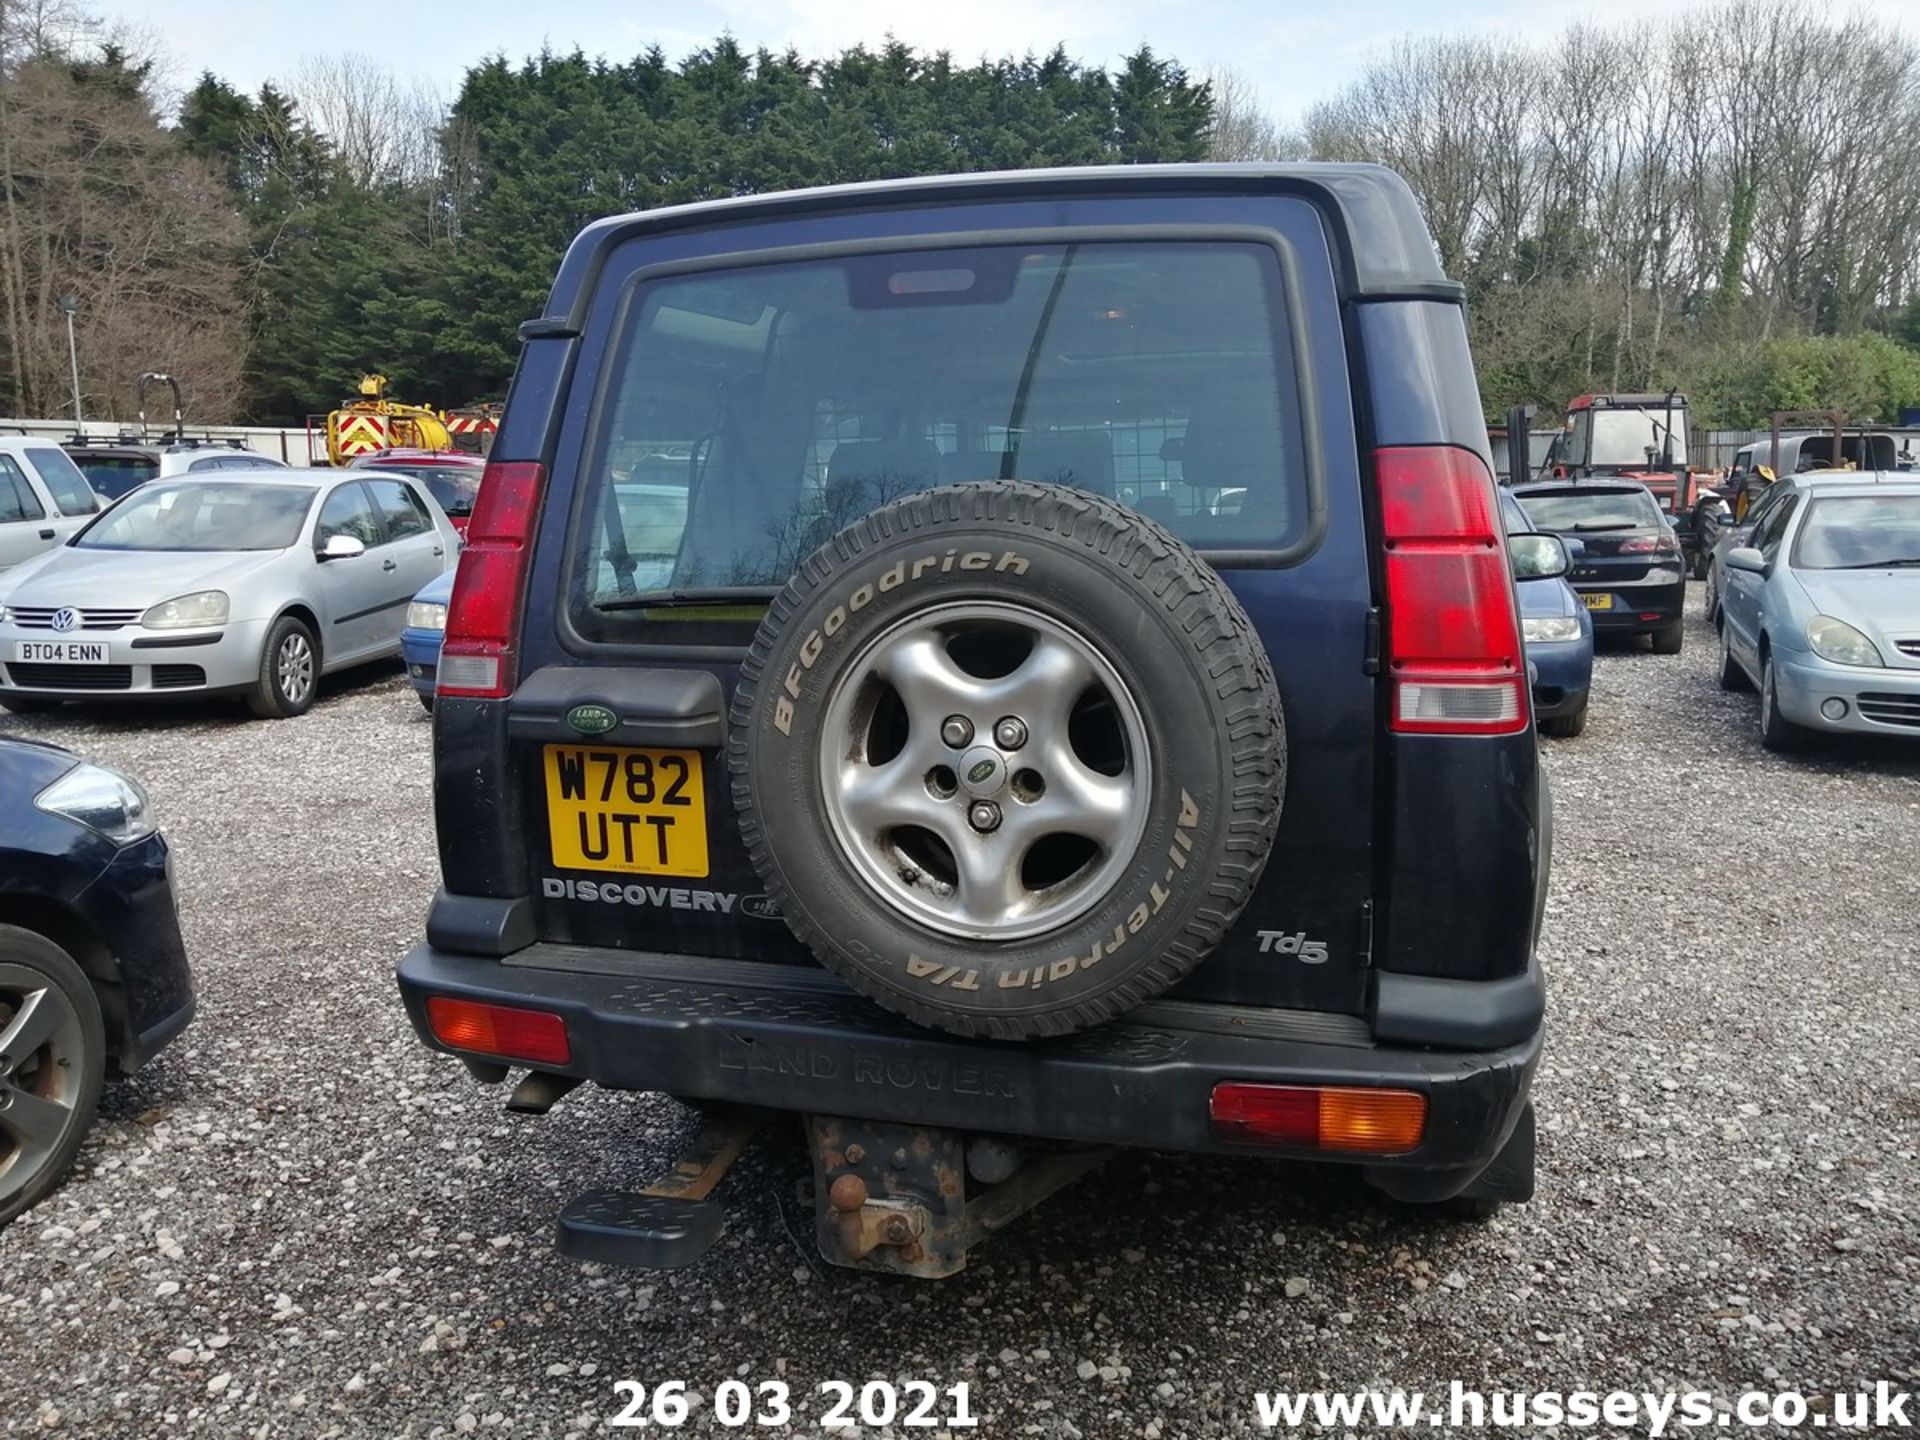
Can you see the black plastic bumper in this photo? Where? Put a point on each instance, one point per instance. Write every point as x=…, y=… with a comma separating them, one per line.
x=795, y=1038
x=1665, y=602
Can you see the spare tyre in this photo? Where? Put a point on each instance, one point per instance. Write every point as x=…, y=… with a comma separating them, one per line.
x=1008, y=756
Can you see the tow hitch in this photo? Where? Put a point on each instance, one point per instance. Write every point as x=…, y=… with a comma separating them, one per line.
x=887, y=1197
x=894, y=1197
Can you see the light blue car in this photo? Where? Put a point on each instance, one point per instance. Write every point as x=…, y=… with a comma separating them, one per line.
x=1820, y=611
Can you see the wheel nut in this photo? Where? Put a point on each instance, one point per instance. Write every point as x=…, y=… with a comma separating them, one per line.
x=957, y=731
x=984, y=815
x=1010, y=732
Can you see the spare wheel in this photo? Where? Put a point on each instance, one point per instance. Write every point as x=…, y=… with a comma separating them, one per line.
x=1009, y=757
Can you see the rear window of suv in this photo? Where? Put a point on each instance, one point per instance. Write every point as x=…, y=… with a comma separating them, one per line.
x=1592, y=510
x=752, y=412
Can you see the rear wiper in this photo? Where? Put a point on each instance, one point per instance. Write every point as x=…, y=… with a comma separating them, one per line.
x=1590, y=527
x=707, y=595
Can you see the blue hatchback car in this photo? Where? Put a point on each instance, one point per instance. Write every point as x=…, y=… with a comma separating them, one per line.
x=1558, y=634
x=426, y=627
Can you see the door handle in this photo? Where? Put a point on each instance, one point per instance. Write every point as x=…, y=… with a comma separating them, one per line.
x=46, y=534
x=389, y=565
x=439, y=551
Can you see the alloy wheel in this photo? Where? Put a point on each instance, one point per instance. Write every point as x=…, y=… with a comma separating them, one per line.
x=41, y=1043
x=985, y=769
x=293, y=665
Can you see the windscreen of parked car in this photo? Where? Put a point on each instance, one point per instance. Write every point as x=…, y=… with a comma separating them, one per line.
x=1860, y=532
x=1582, y=510
x=202, y=515
x=112, y=476
x=753, y=412
x=453, y=486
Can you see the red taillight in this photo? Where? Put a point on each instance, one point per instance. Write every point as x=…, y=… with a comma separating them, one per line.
x=483, y=617
x=1649, y=545
x=1353, y=1119
x=538, y=1037
x=1453, y=637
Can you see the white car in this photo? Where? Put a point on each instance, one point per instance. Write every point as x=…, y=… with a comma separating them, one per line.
x=43, y=499
x=251, y=583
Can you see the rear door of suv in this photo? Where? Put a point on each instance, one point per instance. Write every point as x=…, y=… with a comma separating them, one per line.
x=737, y=393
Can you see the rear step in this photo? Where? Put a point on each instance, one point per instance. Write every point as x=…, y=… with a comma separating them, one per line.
x=672, y=1222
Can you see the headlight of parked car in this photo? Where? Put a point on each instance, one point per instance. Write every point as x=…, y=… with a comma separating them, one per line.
x=203, y=607
x=1839, y=642
x=426, y=615
x=1550, y=627
x=103, y=800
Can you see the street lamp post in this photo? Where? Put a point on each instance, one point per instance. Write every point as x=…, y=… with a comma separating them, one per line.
x=69, y=304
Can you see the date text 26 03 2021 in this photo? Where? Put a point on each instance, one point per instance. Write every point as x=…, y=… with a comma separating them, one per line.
x=771, y=1404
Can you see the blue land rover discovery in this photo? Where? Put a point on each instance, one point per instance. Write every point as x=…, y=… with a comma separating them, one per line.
x=1004, y=666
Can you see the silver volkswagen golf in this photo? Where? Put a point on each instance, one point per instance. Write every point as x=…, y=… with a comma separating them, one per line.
x=250, y=583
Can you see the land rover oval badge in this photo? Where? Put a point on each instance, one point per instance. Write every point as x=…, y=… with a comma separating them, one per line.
x=592, y=719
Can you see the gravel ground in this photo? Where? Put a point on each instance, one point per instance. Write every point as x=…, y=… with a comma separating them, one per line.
x=300, y=1222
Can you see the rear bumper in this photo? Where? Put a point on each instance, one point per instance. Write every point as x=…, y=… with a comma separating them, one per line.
x=1636, y=609
x=795, y=1038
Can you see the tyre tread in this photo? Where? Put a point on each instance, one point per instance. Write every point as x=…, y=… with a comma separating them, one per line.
x=1192, y=594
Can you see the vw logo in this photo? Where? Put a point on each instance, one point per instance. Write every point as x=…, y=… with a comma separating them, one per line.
x=66, y=618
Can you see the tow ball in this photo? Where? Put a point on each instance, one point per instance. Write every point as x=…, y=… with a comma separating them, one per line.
x=891, y=1198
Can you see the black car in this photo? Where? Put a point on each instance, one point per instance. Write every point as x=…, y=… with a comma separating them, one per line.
x=1628, y=568
x=93, y=977
x=948, y=658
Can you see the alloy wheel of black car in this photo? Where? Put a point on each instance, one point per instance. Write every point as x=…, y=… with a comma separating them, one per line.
x=1008, y=757
x=52, y=1061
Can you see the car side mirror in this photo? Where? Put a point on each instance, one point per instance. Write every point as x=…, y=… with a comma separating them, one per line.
x=1537, y=557
x=1748, y=559
x=340, y=547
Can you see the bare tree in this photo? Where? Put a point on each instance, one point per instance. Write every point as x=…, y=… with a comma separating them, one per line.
x=101, y=204
x=381, y=129
x=1243, y=128
x=1738, y=171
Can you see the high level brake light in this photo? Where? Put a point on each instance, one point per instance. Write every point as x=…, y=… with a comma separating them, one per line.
x=1453, y=635
x=483, y=616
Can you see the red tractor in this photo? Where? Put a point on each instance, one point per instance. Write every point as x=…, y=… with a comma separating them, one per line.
x=1644, y=438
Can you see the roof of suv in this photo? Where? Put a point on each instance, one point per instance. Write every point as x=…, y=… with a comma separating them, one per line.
x=1388, y=250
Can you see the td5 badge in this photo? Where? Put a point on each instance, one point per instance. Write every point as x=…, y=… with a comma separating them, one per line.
x=1279, y=942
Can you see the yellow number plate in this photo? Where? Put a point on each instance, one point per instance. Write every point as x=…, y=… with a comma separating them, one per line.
x=639, y=812
x=1597, y=602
